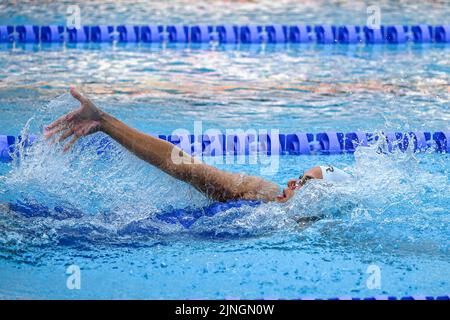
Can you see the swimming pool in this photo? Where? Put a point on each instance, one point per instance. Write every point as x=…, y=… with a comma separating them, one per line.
x=393, y=219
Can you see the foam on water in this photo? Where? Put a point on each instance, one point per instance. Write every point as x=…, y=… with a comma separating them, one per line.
x=392, y=204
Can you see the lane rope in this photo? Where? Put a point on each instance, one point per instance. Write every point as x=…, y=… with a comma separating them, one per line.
x=241, y=143
x=226, y=34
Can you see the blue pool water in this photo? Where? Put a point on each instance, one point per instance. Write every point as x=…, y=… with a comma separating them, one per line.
x=393, y=215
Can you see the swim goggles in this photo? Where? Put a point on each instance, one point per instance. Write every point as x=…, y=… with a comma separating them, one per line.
x=302, y=180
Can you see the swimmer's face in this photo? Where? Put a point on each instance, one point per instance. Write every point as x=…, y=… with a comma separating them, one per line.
x=295, y=184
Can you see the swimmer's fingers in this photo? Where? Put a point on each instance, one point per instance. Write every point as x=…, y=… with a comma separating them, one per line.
x=48, y=133
x=77, y=95
x=71, y=143
x=58, y=122
x=65, y=135
x=62, y=121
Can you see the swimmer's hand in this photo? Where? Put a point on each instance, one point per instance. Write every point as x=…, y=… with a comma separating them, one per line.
x=287, y=194
x=81, y=122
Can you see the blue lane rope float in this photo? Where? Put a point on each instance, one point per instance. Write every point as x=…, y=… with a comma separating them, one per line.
x=227, y=34
x=296, y=143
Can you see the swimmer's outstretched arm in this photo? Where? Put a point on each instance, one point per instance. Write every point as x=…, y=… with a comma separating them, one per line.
x=216, y=184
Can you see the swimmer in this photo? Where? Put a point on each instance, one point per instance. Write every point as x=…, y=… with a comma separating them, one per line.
x=216, y=184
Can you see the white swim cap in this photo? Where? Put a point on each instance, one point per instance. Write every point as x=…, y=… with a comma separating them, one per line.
x=333, y=174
